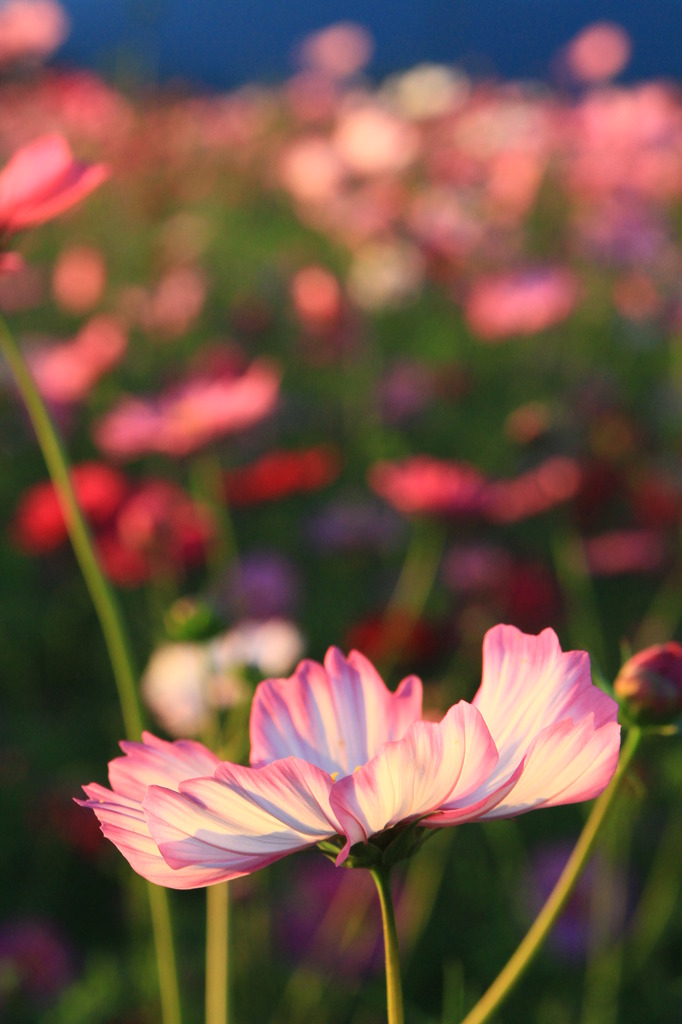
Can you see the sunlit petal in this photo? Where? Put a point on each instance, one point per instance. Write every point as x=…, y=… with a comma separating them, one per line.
x=243, y=818
x=336, y=716
x=413, y=776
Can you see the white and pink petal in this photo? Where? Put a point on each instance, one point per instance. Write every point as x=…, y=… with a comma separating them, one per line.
x=528, y=684
x=414, y=776
x=242, y=819
x=158, y=762
x=335, y=716
x=123, y=822
x=566, y=763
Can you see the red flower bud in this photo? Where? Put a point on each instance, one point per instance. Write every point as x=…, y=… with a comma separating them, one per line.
x=650, y=683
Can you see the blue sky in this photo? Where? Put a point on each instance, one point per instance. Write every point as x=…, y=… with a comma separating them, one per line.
x=223, y=42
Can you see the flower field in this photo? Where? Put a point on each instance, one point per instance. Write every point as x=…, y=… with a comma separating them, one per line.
x=335, y=366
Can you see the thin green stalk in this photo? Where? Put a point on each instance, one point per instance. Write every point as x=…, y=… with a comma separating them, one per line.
x=100, y=591
x=658, y=902
x=419, y=570
x=208, y=487
x=577, y=588
x=162, y=928
x=217, y=953
x=115, y=635
x=664, y=613
x=412, y=589
x=557, y=899
x=605, y=947
x=394, y=992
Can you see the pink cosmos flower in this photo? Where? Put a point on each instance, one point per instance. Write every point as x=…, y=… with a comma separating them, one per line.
x=67, y=372
x=371, y=140
x=335, y=756
x=310, y=170
x=317, y=298
x=423, y=485
x=599, y=52
x=520, y=302
x=42, y=180
x=191, y=415
x=553, y=482
x=339, y=51
x=616, y=552
x=79, y=278
x=30, y=30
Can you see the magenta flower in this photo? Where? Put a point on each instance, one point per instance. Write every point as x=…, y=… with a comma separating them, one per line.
x=338, y=759
x=41, y=180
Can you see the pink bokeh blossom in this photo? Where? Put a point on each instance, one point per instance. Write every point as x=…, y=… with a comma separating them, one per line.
x=30, y=30
x=67, y=372
x=423, y=485
x=79, y=278
x=552, y=483
x=337, y=756
x=599, y=52
x=520, y=302
x=41, y=180
x=190, y=416
x=338, y=51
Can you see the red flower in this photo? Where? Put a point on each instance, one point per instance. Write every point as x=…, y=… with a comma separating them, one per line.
x=280, y=474
x=650, y=683
x=39, y=525
x=159, y=528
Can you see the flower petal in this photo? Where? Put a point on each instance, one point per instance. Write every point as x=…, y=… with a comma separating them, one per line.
x=431, y=764
x=336, y=717
x=160, y=763
x=529, y=683
x=569, y=761
x=41, y=180
x=243, y=818
x=123, y=822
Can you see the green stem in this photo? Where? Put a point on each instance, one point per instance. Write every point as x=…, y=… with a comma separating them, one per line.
x=100, y=591
x=577, y=588
x=208, y=487
x=419, y=569
x=557, y=899
x=394, y=993
x=111, y=621
x=412, y=588
x=171, y=1012
x=217, y=953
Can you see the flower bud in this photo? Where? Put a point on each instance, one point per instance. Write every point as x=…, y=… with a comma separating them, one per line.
x=650, y=683
x=191, y=619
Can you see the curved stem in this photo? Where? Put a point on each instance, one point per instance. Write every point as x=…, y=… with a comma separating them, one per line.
x=100, y=591
x=217, y=953
x=557, y=899
x=394, y=993
x=115, y=635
